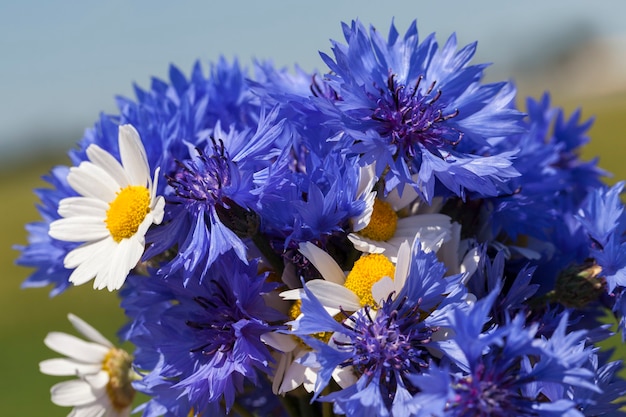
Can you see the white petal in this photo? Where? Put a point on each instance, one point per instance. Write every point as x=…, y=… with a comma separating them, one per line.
x=295, y=294
x=403, y=264
x=83, y=207
x=158, y=210
x=72, y=393
x=130, y=251
x=78, y=229
x=310, y=378
x=279, y=372
x=90, y=180
x=363, y=244
x=98, y=381
x=409, y=195
x=75, y=348
x=133, y=155
x=279, y=341
x=125, y=257
x=67, y=367
x=334, y=295
x=344, y=377
x=87, y=252
x=107, y=162
x=90, y=267
x=88, y=331
x=448, y=254
x=382, y=288
x=324, y=263
x=367, y=179
x=294, y=376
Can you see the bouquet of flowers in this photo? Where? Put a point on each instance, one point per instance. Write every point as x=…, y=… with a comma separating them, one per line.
x=388, y=237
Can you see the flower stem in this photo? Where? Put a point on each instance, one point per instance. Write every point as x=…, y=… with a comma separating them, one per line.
x=289, y=406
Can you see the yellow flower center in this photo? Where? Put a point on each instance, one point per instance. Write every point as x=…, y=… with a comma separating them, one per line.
x=366, y=271
x=117, y=363
x=295, y=311
x=382, y=225
x=127, y=211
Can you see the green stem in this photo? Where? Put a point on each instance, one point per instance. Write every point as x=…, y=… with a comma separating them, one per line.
x=289, y=406
x=327, y=407
x=306, y=409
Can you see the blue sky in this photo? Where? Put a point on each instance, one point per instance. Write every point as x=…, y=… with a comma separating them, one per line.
x=62, y=62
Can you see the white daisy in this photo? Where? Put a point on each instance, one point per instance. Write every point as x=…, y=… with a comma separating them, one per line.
x=289, y=373
x=117, y=205
x=365, y=284
x=392, y=220
x=103, y=387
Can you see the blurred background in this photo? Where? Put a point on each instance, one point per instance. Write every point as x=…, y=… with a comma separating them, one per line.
x=62, y=63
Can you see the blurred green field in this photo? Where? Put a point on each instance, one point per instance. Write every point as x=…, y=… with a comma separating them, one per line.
x=27, y=315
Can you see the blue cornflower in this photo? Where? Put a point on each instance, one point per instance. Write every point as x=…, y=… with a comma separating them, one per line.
x=505, y=370
x=513, y=294
x=418, y=110
x=214, y=195
x=602, y=218
x=554, y=179
x=206, y=336
x=170, y=117
x=374, y=351
x=313, y=201
x=612, y=389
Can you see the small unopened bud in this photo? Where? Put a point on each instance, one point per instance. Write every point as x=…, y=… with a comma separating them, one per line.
x=579, y=285
x=243, y=222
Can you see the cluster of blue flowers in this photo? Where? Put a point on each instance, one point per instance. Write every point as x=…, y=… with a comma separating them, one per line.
x=388, y=237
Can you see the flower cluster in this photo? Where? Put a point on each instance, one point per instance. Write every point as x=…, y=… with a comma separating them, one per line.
x=389, y=237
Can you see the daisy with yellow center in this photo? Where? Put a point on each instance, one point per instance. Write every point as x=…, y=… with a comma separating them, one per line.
x=104, y=373
x=116, y=206
x=373, y=278
x=383, y=230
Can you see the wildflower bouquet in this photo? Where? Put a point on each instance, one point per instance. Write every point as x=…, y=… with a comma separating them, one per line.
x=389, y=237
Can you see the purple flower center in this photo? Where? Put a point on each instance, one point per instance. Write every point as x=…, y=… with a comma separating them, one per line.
x=203, y=178
x=411, y=117
x=217, y=327
x=387, y=343
x=485, y=393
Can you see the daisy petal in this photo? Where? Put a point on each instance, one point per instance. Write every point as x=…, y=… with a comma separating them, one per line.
x=72, y=393
x=125, y=256
x=382, y=289
x=83, y=207
x=90, y=267
x=98, y=381
x=107, y=162
x=133, y=155
x=75, y=348
x=67, y=367
x=86, y=252
x=324, y=263
x=88, y=331
x=334, y=295
x=90, y=180
x=78, y=229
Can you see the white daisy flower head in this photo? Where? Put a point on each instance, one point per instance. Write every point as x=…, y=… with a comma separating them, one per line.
x=388, y=222
x=116, y=206
x=372, y=279
x=104, y=374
